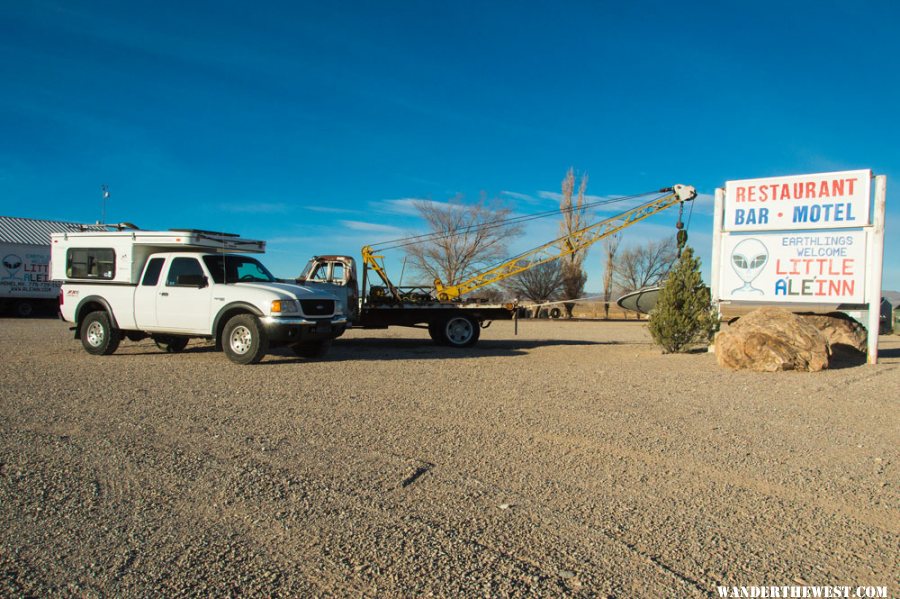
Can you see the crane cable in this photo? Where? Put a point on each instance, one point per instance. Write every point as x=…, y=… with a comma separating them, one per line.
x=681, y=236
x=416, y=239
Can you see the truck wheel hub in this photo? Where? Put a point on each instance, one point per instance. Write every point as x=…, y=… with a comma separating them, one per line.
x=95, y=334
x=241, y=340
x=459, y=330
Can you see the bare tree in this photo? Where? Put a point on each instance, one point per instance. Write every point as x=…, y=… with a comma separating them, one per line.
x=573, y=211
x=538, y=284
x=465, y=238
x=610, y=248
x=646, y=265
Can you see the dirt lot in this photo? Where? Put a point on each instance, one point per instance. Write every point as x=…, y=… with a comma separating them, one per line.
x=571, y=459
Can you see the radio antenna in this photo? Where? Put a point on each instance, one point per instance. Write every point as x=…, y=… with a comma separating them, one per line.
x=105, y=189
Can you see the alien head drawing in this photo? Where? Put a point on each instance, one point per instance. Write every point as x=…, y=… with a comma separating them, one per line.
x=12, y=264
x=748, y=258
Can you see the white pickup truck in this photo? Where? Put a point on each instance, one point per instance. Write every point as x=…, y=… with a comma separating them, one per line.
x=180, y=284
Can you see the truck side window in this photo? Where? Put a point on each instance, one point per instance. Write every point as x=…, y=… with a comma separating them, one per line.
x=321, y=272
x=337, y=272
x=182, y=270
x=151, y=275
x=90, y=263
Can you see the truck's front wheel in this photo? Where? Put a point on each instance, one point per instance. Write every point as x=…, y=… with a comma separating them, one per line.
x=460, y=331
x=98, y=336
x=244, y=340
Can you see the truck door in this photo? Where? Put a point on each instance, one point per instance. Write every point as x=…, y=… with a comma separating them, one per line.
x=145, y=295
x=183, y=298
x=344, y=274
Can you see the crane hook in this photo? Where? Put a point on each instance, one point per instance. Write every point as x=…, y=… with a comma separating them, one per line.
x=682, y=235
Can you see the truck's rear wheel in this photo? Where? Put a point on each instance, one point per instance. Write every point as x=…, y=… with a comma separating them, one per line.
x=171, y=345
x=244, y=340
x=312, y=349
x=98, y=336
x=460, y=331
x=24, y=309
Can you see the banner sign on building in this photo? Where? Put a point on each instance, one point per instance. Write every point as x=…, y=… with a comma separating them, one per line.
x=824, y=200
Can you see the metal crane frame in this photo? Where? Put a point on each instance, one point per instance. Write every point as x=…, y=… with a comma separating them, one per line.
x=565, y=245
x=552, y=250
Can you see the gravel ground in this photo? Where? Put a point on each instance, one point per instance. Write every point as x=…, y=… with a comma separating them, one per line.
x=573, y=458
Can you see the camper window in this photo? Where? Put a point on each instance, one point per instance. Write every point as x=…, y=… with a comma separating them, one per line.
x=151, y=275
x=90, y=263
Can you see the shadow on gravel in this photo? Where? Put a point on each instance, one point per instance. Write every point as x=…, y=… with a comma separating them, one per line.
x=844, y=356
x=127, y=349
x=893, y=352
x=419, y=349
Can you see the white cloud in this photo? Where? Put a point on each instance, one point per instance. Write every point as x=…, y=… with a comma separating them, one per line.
x=704, y=203
x=550, y=195
x=330, y=210
x=402, y=206
x=255, y=208
x=358, y=225
x=519, y=196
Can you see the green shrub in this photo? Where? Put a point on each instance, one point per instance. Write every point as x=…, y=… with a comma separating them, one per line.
x=683, y=316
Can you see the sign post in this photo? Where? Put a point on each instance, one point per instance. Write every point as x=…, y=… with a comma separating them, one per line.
x=876, y=262
x=815, y=241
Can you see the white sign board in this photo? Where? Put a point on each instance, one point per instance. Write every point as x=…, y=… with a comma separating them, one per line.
x=805, y=267
x=24, y=271
x=819, y=201
x=805, y=239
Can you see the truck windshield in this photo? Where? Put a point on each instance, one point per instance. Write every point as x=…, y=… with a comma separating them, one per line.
x=234, y=269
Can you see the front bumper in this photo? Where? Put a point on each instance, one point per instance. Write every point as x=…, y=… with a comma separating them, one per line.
x=288, y=330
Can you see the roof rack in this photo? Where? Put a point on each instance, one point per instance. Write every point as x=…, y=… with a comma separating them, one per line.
x=204, y=232
x=114, y=226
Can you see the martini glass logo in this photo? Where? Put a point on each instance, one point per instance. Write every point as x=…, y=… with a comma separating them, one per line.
x=12, y=264
x=748, y=258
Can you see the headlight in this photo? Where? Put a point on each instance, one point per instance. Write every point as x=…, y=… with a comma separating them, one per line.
x=338, y=307
x=285, y=307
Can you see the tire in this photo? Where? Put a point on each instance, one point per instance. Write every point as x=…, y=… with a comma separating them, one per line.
x=24, y=309
x=460, y=331
x=312, y=349
x=555, y=313
x=244, y=340
x=98, y=337
x=171, y=345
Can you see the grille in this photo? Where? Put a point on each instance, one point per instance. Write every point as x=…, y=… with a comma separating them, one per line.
x=317, y=307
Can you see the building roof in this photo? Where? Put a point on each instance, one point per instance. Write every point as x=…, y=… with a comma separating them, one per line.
x=893, y=297
x=36, y=232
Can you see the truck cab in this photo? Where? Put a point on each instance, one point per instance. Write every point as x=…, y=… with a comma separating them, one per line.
x=336, y=275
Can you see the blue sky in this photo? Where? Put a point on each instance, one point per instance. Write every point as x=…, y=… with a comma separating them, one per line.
x=314, y=124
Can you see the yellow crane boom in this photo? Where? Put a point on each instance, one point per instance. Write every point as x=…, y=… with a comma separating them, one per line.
x=563, y=246
x=370, y=260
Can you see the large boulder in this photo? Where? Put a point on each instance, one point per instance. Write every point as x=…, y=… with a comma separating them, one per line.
x=839, y=331
x=772, y=339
